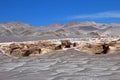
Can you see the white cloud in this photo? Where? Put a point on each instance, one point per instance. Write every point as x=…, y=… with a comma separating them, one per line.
x=110, y=14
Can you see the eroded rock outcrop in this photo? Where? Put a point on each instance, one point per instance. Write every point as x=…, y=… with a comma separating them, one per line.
x=96, y=48
x=24, y=49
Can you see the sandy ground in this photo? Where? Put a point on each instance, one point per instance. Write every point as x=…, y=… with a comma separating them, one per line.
x=61, y=65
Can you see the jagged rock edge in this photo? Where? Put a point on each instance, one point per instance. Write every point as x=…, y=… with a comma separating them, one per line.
x=33, y=48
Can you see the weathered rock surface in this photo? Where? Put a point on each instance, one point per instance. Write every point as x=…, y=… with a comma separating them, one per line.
x=32, y=48
x=61, y=65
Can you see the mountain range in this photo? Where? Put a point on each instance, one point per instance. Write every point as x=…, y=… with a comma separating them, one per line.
x=17, y=31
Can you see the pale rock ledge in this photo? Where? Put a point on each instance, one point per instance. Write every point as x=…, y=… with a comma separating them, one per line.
x=33, y=48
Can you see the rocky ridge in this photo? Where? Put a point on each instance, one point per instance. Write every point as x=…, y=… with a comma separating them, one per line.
x=16, y=31
x=33, y=48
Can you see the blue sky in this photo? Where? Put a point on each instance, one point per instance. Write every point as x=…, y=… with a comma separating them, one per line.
x=45, y=12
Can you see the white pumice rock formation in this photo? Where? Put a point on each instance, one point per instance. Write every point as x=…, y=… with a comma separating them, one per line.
x=32, y=48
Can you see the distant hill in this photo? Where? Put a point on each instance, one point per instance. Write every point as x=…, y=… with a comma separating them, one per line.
x=17, y=31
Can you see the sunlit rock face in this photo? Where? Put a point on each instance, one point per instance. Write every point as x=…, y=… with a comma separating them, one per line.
x=37, y=48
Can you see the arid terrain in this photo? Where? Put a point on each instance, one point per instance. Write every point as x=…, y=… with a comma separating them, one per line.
x=73, y=51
